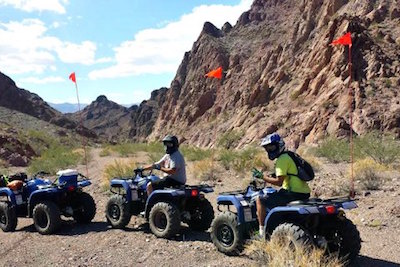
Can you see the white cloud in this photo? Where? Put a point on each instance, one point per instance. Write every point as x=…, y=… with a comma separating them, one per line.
x=161, y=50
x=37, y=5
x=35, y=80
x=25, y=47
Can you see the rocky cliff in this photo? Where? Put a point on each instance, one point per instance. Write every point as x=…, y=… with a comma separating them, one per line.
x=282, y=74
x=14, y=98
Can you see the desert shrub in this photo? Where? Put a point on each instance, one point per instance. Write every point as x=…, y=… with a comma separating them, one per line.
x=206, y=170
x=277, y=253
x=244, y=160
x=55, y=158
x=229, y=139
x=105, y=152
x=192, y=153
x=226, y=157
x=335, y=150
x=382, y=148
x=119, y=168
x=367, y=173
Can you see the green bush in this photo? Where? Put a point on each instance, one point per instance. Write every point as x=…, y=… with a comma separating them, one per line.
x=194, y=153
x=335, y=150
x=383, y=148
x=230, y=139
x=55, y=158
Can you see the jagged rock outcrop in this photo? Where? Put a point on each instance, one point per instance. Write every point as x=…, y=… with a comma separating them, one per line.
x=282, y=74
x=14, y=152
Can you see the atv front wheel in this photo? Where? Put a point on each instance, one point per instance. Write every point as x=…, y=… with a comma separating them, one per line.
x=117, y=212
x=345, y=240
x=226, y=234
x=8, y=217
x=46, y=217
x=164, y=220
x=292, y=234
x=201, y=215
x=86, y=208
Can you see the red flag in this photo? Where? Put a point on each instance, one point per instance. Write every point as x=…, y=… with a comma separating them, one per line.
x=215, y=73
x=72, y=77
x=343, y=40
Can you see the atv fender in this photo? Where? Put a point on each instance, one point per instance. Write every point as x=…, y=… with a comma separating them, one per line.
x=119, y=183
x=7, y=192
x=41, y=195
x=165, y=195
x=237, y=201
x=269, y=222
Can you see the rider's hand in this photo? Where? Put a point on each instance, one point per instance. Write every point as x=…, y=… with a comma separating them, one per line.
x=139, y=169
x=156, y=166
x=258, y=174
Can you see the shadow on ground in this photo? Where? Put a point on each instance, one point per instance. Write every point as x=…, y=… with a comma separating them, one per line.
x=365, y=261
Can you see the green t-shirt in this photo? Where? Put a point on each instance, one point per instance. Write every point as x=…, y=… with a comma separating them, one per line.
x=284, y=165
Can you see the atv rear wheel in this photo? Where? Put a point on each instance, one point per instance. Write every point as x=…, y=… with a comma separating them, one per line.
x=345, y=240
x=201, y=215
x=8, y=217
x=226, y=234
x=46, y=217
x=292, y=234
x=164, y=220
x=86, y=208
x=118, y=212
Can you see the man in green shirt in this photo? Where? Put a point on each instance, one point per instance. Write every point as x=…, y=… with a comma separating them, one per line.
x=293, y=188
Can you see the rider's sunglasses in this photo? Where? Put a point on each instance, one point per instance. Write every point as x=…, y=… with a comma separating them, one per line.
x=270, y=148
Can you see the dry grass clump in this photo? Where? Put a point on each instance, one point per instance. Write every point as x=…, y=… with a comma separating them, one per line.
x=277, y=253
x=206, y=170
x=118, y=169
x=368, y=173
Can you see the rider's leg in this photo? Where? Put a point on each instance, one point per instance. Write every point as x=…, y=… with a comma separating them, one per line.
x=149, y=189
x=261, y=212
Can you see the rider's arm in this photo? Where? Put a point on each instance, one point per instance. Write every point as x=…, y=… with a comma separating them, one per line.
x=168, y=170
x=275, y=181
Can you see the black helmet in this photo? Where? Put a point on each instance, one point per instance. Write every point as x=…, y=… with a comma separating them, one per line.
x=171, y=143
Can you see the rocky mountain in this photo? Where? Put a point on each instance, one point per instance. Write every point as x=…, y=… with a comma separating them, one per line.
x=21, y=100
x=116, y=123
x=280, y=73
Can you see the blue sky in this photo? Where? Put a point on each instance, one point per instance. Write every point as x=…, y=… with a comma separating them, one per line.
x=123, y=49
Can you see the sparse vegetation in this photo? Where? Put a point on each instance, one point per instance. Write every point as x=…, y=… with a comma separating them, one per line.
x=335, y=150
x=206, y=170
x=105, y=152
x=230, y=139
x=279, y=253
x=245, y=159
x=194, y=153
x=55, y=158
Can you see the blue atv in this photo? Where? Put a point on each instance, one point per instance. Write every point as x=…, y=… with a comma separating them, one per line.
x=312, y=222
x=164, y=209
x=45, y=201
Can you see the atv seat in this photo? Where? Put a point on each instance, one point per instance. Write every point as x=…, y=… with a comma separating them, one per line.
x=15, y=185
x=310, y=201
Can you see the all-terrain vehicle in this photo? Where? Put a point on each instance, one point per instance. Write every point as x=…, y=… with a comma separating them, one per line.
x=313, y=222
x=164, y=209
x=45, y=201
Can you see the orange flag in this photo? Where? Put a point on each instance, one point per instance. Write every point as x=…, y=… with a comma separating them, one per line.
x=343, y=40
x=215, y=73
x=72, y=77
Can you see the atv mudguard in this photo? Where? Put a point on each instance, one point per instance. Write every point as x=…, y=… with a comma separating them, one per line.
x=163, y=195
x=125, y=184
x=40, y=195
x=234, y=200
x=5, y=191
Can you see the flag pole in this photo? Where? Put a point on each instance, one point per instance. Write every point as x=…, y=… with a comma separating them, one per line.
x=81, y=123
x=352, y=193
